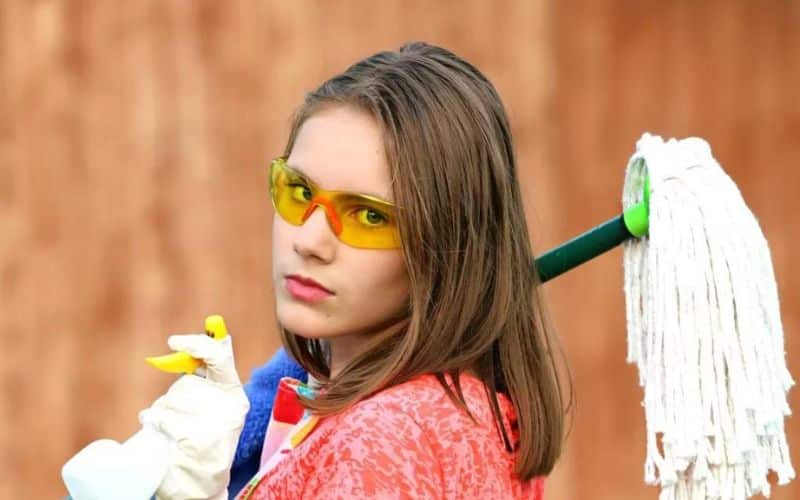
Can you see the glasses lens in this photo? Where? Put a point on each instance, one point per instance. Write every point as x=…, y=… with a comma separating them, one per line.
x=291, y=195
x=366, y=223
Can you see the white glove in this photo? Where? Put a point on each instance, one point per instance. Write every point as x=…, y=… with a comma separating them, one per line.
x=202, y=418
x=187, y=442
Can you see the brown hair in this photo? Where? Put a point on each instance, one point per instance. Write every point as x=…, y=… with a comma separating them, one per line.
x=475, y=301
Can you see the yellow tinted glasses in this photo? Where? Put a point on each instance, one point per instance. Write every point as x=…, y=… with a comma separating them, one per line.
x=358, y=220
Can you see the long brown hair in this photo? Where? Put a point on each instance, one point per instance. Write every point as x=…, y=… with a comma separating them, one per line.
x=475, y=302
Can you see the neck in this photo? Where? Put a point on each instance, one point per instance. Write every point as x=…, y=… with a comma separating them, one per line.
x=344, y=348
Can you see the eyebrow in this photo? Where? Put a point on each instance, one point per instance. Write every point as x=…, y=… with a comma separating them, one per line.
x=302, y=174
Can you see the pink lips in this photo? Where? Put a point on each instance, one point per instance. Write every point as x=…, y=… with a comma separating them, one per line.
x=305, y=289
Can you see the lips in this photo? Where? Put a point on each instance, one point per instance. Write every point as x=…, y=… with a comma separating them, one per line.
x=306, y=289
x=307, y=281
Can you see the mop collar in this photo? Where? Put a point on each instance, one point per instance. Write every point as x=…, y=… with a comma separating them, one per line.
x=637, y=217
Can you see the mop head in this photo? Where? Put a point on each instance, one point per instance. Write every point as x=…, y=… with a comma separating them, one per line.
x=704, y=328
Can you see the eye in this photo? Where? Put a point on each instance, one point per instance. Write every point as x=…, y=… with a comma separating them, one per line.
x=371, y=217
x=300, y=192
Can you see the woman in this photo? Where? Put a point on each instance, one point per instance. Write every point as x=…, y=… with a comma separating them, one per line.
x=404, y=286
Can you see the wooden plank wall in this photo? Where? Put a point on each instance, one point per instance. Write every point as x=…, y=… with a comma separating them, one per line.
x=133, y=141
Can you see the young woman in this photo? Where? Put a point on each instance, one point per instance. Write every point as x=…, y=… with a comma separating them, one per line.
x=406, y=291
x=404, y=286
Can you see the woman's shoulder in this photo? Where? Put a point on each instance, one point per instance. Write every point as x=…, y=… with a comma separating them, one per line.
x=417, y=398
x=424, y=401
x=420, y=415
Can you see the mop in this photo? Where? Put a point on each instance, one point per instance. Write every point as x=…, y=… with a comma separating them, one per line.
x=703, y=323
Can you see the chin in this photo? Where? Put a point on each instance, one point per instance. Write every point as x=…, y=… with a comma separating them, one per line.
x=303, y=321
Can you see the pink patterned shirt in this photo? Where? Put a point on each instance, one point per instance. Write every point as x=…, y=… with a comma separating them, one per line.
x=409, y=441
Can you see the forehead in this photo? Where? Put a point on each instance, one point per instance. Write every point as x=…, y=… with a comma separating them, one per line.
x=341, y=148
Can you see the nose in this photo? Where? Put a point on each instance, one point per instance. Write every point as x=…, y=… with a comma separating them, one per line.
x=315, y=237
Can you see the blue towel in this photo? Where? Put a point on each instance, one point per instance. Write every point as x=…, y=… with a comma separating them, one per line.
x=260, y=391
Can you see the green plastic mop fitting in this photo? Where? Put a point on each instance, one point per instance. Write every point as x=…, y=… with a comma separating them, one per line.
x=632, y=223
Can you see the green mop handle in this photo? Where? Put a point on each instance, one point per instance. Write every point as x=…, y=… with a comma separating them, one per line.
x=633, y=222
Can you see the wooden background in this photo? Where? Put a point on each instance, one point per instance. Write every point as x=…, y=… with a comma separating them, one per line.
x=133, y=140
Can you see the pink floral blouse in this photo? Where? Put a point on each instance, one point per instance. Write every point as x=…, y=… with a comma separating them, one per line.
x=409, y=441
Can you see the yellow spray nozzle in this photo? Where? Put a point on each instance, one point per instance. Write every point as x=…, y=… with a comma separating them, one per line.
x=183, y=362
x=215, y=327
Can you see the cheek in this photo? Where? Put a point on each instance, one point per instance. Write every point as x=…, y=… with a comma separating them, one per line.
x=381, y=283
x=281, y=252
x=280, y=238
x=277, y=233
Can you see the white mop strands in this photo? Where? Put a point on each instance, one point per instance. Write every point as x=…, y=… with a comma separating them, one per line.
x=704, y=328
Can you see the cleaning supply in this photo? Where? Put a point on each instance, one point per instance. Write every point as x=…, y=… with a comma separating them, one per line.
x=183, y=362
x=289, y=424
x=188, y=437
x=261, y=389
x=129, y=471
x=703, y=323
x=704, y=329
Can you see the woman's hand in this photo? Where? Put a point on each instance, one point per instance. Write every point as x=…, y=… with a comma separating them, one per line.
x=202, y=416
x=187, y=442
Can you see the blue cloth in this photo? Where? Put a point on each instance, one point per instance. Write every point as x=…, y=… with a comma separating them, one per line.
x=260, y=390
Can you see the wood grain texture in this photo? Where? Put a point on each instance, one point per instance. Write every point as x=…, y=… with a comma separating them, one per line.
x=133, y=146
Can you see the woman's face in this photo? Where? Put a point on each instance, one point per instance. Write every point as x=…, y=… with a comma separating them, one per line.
x=338, y=148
